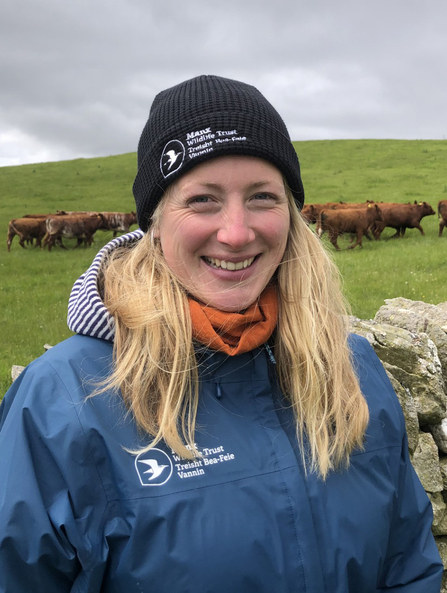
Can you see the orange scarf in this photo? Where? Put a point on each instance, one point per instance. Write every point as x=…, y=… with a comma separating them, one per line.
x=235, y=333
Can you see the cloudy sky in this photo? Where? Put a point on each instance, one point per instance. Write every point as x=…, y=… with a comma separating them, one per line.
x=77, y=78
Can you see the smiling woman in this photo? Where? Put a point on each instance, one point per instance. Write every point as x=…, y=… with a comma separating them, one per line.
x=212, y=427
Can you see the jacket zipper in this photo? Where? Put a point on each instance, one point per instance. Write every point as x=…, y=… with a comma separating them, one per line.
x=270, y=353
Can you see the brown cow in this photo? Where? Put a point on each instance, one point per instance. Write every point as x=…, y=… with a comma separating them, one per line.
x=310, y=212
x=354, y=220
x=442, y=214
x=79, y=226
x=402, y=217
x=26, y=229
x=118, y=221
x=356, y=206
x=44, y=217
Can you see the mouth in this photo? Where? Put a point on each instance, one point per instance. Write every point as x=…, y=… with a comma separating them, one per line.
x=221, y=264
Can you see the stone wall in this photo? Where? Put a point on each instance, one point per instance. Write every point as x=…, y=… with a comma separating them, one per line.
x=410, y=338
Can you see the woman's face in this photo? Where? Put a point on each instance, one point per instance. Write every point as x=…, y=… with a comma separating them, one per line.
x=224, y=229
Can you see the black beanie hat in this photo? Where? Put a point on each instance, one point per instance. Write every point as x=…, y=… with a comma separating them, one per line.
x=202, y=118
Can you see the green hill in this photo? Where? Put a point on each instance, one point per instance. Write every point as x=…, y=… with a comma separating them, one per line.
x=35, y=284
x=381, y=170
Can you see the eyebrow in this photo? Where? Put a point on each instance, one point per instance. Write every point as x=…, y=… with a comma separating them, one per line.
x=255, y=185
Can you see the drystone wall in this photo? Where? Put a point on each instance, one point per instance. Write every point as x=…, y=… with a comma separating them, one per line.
x=410, y=338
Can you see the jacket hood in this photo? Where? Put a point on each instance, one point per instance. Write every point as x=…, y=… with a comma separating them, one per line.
x=87, y=314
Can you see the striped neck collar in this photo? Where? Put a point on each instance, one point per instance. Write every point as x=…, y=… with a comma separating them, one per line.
x=87, y=314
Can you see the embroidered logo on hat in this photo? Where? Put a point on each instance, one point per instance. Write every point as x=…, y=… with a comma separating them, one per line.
x=154, y=467
x=172, y=157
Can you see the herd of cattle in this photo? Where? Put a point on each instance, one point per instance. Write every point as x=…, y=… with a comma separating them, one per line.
x=335, y=218
x=370, y=218
x=52, y=228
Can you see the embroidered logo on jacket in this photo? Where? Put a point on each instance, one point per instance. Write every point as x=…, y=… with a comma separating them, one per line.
x=154, y=467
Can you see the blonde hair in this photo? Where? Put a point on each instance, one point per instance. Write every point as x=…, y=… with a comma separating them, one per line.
x=154, y=360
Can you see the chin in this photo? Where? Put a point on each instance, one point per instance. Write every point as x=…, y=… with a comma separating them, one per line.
x=232, y=305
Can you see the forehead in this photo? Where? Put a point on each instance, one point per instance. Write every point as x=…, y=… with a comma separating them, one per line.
x=231, y=170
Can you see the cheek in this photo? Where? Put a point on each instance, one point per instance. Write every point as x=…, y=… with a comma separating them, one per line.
x=180, y=239
x=277, y=233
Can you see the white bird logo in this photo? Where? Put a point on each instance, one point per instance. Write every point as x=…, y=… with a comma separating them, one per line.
x=173, y=156
x=154, y=468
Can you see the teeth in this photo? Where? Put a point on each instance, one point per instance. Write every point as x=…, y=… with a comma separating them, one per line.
x=229, y=265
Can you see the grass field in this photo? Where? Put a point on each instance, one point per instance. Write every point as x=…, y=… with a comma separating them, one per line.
x=35, y=284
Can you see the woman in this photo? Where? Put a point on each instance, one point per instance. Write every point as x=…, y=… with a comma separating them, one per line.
x=212, y=427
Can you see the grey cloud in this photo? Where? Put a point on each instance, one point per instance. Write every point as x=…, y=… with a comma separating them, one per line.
x=78, y=78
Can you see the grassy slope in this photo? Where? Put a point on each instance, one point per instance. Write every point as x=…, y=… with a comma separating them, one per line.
x=35, y=284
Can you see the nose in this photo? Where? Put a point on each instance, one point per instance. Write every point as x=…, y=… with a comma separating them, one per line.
x=235, y=230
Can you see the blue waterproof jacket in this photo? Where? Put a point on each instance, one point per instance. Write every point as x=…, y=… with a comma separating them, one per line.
x=80, y=513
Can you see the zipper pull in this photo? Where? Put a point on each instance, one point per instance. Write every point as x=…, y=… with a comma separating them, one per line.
x=218, y=391
x=270, y=353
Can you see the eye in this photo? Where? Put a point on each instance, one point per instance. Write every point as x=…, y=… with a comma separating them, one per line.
x=199, y=200
x=263, y=199
x=263, y=196
x=202, y=203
